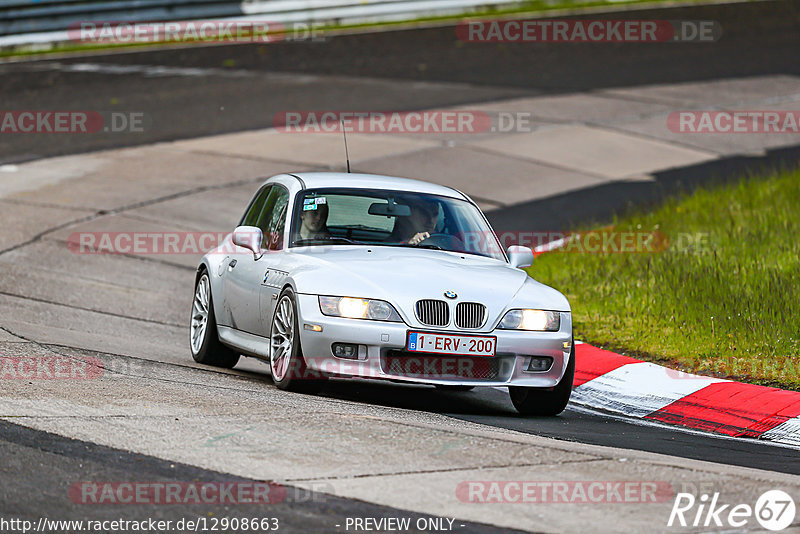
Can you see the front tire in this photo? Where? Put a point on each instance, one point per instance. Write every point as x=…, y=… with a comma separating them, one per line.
x=536, y=401
x=286, y=362
x=203, y=337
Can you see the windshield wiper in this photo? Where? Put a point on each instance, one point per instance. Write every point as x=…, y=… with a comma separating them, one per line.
x=421, y=245
x=327, y=239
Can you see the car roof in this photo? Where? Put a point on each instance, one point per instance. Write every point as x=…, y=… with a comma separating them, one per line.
x=314, y=180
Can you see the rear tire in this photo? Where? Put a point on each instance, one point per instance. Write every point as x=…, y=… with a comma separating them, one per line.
x=286, y=362
x=203, y=337
x=537, y=401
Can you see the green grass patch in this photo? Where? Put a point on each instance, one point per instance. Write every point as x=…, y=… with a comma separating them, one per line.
x=722, y=299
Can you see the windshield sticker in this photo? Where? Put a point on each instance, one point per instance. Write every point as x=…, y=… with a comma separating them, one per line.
x=309, y=207
x=321, y=200
x=309, y=201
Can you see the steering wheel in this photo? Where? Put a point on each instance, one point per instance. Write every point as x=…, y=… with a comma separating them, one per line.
x=445, y=241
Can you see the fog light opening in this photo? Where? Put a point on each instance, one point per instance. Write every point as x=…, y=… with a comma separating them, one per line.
x=348, y=351
x=539, y=364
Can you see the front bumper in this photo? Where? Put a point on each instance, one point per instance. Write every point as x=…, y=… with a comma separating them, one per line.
x=382, y=353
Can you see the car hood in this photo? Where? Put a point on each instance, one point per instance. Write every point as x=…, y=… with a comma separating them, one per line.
x=404, y=275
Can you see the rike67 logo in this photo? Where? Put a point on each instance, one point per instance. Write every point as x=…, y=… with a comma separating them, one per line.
x=774, y=510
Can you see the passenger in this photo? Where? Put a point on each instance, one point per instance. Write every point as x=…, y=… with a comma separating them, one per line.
x=314, y=223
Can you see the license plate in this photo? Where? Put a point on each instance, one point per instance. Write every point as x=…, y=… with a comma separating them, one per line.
x=451, y=344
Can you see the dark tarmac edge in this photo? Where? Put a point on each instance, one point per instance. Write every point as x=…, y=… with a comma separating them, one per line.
x=38, y=469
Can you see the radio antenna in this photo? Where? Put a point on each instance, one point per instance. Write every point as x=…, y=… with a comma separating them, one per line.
x=346, y=153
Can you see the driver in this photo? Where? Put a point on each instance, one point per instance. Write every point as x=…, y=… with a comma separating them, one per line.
x=419, y=225
x=314, y=223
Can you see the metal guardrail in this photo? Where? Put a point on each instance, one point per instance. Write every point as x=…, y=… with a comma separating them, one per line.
x=51, y=16
x=30, y=20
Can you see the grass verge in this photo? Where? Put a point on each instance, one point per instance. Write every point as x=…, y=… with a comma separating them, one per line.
x=722, y=299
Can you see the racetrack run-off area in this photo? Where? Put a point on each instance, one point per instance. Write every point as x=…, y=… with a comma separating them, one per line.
x=597, y=142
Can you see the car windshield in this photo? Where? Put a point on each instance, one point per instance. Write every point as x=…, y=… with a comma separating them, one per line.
x=391, y=218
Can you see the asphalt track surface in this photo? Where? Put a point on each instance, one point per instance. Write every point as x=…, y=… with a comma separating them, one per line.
x=759, y=39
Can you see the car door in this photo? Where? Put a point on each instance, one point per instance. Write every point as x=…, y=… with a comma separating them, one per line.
x=273, y=276
x=245, y=273
x=232, y=292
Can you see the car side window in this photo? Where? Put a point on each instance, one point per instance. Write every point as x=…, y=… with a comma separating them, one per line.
x=278, y=220
x=253, y=214
x=273, y=218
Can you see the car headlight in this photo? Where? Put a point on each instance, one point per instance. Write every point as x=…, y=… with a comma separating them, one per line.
x=539, y=320
x=355, y=308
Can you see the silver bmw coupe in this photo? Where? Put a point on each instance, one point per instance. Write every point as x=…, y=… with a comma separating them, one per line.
x=356, y=275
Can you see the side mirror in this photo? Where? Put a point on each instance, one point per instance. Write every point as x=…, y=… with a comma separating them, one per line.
x=519, y=256
x=249, y=237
